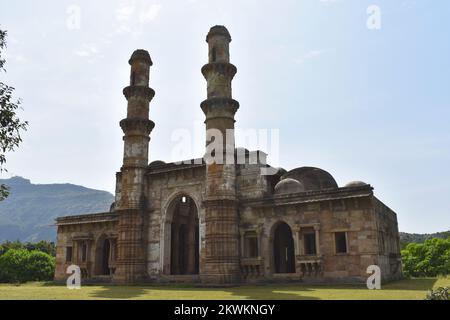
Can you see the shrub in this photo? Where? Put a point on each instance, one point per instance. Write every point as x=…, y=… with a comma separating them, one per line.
x=20, y=265
x=438, y=294
x=40, y=266
x=13, y=265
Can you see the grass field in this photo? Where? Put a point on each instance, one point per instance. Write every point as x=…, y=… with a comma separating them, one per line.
x=414, y=289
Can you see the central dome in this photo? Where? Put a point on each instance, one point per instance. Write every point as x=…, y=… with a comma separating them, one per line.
x=313, y=179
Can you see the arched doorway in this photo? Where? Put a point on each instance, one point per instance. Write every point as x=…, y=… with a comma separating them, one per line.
x=106, y=254
x=184, y=239
x=283, y=249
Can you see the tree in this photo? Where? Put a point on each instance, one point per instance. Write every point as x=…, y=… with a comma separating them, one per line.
x=428, y=259
x=5, y=246
x=43, y=246
x=10, y=124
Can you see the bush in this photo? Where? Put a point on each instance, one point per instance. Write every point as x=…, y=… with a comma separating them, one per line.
x=13, y=265
x=40, y=266
x=439, y=294
x=429, y=259
x=20, y=265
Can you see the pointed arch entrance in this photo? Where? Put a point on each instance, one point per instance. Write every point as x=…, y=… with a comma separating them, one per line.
x=184, y=236
x=283, y=249
x=105, y=256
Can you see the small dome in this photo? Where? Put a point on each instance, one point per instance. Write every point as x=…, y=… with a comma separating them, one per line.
x=157, y=163
x=355, y=184
x=288, y=185
x=141, y=54
x=218, y=31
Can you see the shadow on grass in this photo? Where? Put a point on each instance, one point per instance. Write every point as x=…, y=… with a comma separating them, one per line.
x=271, y=292
x=259, y=292
x=119, y=292
x=268, y=292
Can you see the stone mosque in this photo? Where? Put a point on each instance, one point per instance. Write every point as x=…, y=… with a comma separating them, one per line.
x=223, y=224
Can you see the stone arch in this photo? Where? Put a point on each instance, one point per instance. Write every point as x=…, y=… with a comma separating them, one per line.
x=282, y=248
x=103, y=256
x=181, y=235
x=168, y=215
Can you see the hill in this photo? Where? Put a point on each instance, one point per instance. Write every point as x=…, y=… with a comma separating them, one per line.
x=28, y=213
x=406, y=238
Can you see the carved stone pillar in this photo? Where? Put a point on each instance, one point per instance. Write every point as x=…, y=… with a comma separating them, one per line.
x=259, y=234
x=298, y=241
x=243, y=253
x=191, y=246
x=316, y=231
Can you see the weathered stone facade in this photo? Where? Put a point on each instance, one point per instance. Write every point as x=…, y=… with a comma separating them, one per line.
x=224, y=223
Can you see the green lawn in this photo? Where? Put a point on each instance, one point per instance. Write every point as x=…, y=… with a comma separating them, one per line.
x=403, y=290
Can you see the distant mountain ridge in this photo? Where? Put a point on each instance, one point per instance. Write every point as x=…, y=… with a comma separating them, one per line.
x=406, y=238
x=29, y=212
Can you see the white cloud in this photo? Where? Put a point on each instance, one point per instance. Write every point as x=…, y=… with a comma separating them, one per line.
x=19, y=58
x=82, y=53
x=312, y=54
x=133, y=14
x=150, y=13
x=329, y=2
x=87, y=50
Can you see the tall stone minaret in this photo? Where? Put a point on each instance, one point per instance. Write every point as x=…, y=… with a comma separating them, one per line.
x=130, y=180
x=221, y=213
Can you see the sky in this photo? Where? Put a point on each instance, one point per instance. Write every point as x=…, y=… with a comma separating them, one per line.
x=362, y=103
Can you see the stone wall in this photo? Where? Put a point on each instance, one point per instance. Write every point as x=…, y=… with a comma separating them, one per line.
x=354, y=211
x=389, y=258
x=90, y=230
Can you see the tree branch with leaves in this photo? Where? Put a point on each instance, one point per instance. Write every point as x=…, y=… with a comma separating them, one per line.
x=10, y=124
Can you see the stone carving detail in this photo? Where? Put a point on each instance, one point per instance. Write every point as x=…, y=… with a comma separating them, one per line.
x=137, y=125
x=139, y=92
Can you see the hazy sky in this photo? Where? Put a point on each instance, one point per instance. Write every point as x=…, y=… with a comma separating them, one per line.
x=370, y=105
